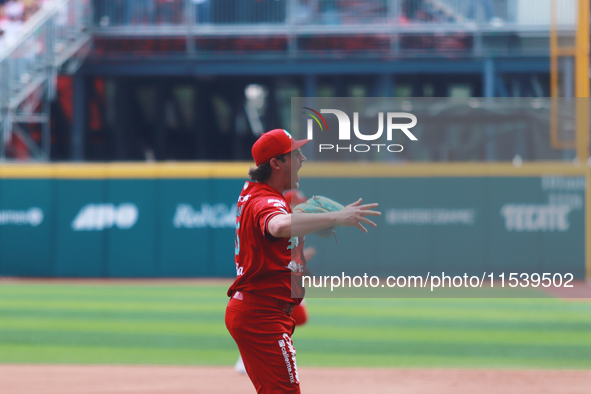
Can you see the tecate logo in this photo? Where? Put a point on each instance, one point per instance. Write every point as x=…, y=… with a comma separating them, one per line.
x=97, y=217
x=532, y=218
x=344, y=133
x=214, y=216
x=32, y=217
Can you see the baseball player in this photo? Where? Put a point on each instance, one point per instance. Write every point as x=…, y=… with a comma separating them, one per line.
x=258, y=315
x=299, y=312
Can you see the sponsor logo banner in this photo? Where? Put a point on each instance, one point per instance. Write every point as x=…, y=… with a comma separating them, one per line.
x=97, y=217
x=530, y=217
x=565, y=195
x=215, y=216
x=431, y=217
x=31, y=217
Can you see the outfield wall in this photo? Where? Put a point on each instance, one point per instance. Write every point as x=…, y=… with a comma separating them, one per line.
x=177, y=220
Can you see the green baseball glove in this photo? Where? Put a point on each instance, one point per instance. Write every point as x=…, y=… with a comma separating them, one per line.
x=320, y=204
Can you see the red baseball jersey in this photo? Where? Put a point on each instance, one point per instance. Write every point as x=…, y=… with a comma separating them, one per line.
x=265, y=264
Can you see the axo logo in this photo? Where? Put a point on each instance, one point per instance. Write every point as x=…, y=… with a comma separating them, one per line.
x=344, y=132
x=96, y=217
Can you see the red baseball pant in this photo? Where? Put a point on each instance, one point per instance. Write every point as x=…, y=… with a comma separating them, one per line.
x=263, y=335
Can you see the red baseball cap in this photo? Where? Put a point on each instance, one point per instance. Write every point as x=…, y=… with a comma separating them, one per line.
x=272, y=144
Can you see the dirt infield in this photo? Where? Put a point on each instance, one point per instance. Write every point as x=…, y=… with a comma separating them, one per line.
x=581, y=291
x=64, y=379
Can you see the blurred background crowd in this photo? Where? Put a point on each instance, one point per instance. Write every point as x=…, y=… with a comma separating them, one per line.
x=301, y=12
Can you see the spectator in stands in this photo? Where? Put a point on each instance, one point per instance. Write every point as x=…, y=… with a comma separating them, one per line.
x=11, y=20
x=13, y=13
x=3, y=23
x=203, y=10
x=2, y=17
x=113, y=12
x=303, y=12
x=170, y=11
x=483, y=10
x=330, y=14
x=122, y=12
x=15, y=10
x=143, y=12
x=413, y=10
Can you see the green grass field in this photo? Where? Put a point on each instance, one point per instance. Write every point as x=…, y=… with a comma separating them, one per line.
x=184, y=324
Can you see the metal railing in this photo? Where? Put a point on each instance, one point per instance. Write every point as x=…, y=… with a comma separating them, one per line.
x=54, y=37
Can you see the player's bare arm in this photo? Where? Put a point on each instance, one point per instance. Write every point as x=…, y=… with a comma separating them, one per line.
x=299, y=223
x=309, y=252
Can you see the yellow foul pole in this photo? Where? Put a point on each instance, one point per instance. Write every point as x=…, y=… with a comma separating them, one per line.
x=582, y=80
x=556, y=51
x=553, y=51
x=582, y=115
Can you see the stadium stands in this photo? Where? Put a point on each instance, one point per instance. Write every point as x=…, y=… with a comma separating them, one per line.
x=195, y=58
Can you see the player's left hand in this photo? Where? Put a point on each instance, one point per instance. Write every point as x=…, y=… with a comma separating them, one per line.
x=353, y=215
